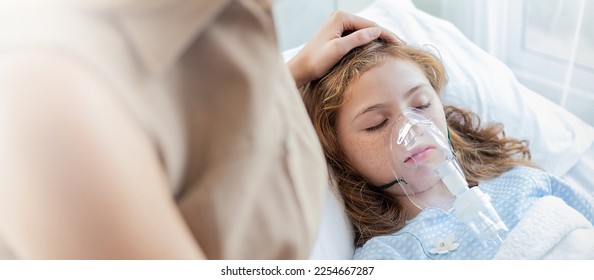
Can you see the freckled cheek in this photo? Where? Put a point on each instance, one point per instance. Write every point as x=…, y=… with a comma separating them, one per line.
x=371, y=159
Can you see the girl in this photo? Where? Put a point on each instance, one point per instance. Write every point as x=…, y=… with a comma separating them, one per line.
x=353, y=107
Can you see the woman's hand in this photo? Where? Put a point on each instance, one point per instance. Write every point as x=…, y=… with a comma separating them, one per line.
x=328, y=46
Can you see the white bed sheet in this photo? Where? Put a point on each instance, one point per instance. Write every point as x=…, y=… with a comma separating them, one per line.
x=581, y=176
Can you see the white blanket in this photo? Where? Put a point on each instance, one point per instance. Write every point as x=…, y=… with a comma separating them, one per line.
x=550, y=230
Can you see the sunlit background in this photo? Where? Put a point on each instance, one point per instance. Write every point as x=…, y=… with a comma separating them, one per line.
x=548, y=44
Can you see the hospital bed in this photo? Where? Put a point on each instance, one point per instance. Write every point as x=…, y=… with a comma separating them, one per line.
x=560, y=143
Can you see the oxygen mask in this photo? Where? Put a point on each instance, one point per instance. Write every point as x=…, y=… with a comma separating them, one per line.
x=427, y=171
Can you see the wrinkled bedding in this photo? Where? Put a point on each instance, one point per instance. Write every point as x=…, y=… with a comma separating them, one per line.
x=549, y=230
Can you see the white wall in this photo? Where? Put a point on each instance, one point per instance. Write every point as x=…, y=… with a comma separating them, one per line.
x=430, y=6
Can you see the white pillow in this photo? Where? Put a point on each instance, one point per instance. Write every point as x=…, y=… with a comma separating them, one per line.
x=335, y=238
x=479, y=82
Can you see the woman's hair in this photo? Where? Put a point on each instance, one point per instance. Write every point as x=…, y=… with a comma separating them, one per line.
x=484, y=152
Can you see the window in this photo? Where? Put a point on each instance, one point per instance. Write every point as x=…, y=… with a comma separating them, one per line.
x=551, y=50
x=548, y=44
x=551, y=29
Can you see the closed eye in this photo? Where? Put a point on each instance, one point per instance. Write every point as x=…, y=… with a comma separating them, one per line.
x=377, y=127
x=424, y=106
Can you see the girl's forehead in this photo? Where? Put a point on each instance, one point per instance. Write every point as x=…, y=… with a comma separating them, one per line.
x=369, y=78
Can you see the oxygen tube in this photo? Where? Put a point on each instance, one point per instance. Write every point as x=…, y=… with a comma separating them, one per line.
x=428, y=173
x=472, y=206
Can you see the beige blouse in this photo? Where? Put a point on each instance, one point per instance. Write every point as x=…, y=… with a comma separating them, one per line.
x=206, y=83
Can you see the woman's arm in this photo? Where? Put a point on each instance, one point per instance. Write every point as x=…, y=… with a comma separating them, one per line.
x=78, y=177
x=328, y=45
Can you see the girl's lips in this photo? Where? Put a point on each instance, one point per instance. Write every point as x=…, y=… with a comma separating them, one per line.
x=419, y=153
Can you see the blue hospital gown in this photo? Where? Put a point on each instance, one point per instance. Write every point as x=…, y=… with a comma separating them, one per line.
x=512, y=193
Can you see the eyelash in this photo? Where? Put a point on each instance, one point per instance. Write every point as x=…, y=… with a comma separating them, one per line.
x=377, y=127
x=382, y=124
x=424, y=106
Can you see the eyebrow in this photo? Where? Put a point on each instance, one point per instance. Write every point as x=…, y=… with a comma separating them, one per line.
x=383, y=105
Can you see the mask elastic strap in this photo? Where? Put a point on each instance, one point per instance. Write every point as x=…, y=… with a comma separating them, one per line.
x=450, y=142
x=383, y=187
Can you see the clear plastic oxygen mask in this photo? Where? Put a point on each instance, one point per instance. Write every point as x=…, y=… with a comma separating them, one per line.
x=430, y=176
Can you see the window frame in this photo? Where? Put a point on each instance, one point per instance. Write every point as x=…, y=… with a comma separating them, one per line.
x=542, y=72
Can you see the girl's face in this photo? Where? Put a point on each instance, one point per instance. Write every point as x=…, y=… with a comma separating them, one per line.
x=375, y=101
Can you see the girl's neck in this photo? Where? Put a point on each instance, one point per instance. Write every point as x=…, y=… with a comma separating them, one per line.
x=411, y=209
